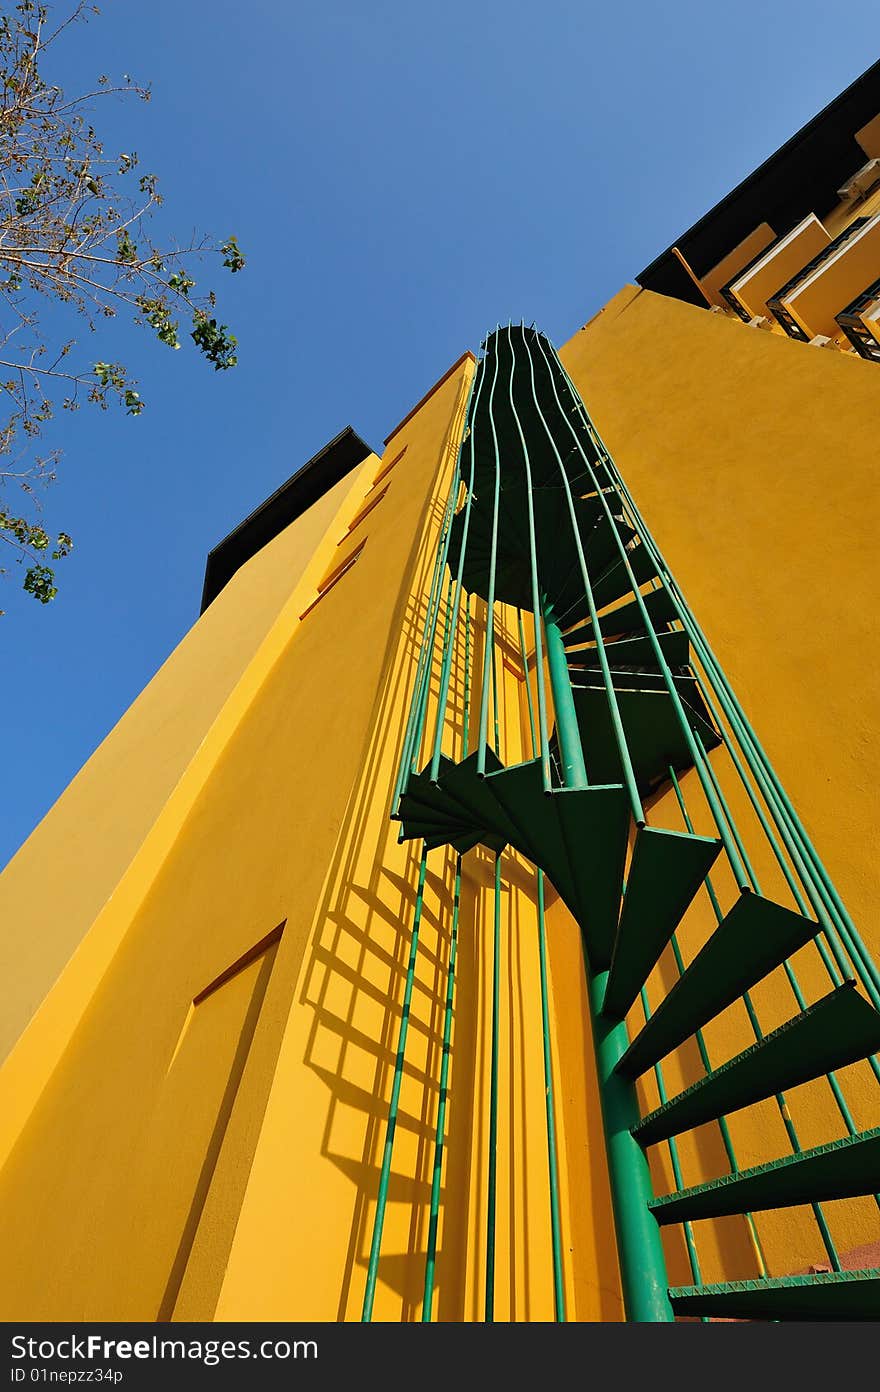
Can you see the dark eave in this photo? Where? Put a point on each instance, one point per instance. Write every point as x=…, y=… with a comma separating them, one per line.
x=802, y=177
x=343, y=453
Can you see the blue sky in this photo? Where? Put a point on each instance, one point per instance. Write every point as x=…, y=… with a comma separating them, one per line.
x=401, y=176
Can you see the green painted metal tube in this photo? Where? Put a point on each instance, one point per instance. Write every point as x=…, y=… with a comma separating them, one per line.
x=437, y=1175
x=446, y=668
x=697, y=758
x=553, y=1172
x=629, y=778
x=489, y=657
x=536, y=589
x=866, y=969
x=391, y=1124
x=552, y=1160
x=567, y=729
x=493, y=1104
x=791, y=1131
x=423, y=665
x=639, y=1247
x=672, y=1147
x=466, y=715
x=525, y=663
x=423, y=694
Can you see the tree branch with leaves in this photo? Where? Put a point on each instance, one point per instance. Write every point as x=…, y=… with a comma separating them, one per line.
x=76, y=229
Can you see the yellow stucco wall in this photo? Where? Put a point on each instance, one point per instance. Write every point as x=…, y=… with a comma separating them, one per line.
x=81, y=849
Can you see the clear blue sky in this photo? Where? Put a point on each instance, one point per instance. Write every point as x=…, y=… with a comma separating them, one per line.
x=401, y=175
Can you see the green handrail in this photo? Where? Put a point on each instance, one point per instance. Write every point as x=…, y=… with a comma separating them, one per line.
x=391, y=1124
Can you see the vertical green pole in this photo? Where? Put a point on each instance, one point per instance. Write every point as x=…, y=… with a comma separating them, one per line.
x=573, y=767
x=639, y=1246
x=555, y=1226
x=493, y=1104
x=434, y=1219
x=391, y=1125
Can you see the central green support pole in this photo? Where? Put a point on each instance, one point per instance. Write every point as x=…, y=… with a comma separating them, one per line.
x=639, y=1246
x=574, y=769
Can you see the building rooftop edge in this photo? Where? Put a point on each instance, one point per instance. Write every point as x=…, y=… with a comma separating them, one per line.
x=310, y=482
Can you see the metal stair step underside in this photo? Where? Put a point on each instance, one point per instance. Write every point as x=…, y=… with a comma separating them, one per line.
x=614, y=582
x=578, y=837
x=626, y=618
x=839, y=1029
x=635, y=652
x=667, y=869
x=654, y=735
x=832, y=1295
x=843, y=1169
x=755, y=936
x=558, y=559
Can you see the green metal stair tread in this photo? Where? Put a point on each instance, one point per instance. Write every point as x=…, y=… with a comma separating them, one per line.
x=614, y=582
x=635, y=652
x=558, y=561
x=520, y=791
x=839, y=1029
x=466, y=843
x=594, y=823
x=627, y=618
x=426, y=801
x=653, y=731
x=667, y=869
x=464, y=784
x=841, y=1169
x=828, y=1295
x=753, y=938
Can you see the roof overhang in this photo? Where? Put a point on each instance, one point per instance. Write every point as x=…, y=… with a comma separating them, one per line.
x=315, y=478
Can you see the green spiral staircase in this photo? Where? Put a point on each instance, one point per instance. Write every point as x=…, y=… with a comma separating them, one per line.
x=540, y=520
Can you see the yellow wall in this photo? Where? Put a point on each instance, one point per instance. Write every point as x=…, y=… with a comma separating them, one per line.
x=83, y=846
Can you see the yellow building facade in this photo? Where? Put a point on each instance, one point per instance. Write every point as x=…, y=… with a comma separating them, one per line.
x=281, y=1028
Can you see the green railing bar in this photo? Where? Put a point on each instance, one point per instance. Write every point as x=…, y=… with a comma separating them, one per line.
x=465, y=723
x=490, y=598
x=433, y=1221
x=723, y=1127
x=425, y=692
x=497, y=729
x=803, y=894
x=613, y=706
x=433, y=605
x=493, y=1103
x=799, y=996
x=860, y=957
x=781, y=1103
x=639, y=1247
x=736, y=864
x=552, y=1159
x=555, y=1226
x=525, y=663
x=693, y=1258
x=391, y=1124
x=536, y=592
x=443, y=692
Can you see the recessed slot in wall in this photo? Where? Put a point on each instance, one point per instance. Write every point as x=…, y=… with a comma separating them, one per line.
x=334, y=577
x=386, y=467
x=364, y=511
